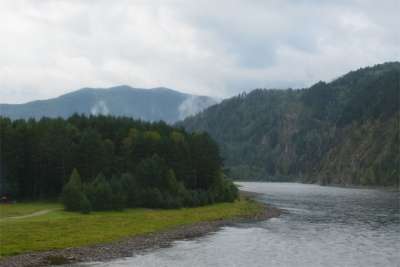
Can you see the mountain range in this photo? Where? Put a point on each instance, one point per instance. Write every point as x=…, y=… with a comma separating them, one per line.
x=343, y=132
x=145, y=104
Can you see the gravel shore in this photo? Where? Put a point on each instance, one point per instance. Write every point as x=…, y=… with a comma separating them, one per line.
x=129, y=246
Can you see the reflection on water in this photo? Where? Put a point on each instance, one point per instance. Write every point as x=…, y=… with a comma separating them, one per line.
x=324, y=226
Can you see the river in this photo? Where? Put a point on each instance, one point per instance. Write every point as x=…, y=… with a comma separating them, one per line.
x=323, y=226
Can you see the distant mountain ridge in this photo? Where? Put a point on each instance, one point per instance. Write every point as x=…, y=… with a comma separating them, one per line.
x=343, y=132
x=146, y=104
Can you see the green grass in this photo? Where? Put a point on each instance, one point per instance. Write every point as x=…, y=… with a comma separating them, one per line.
x=61, y=229
x=20, y=209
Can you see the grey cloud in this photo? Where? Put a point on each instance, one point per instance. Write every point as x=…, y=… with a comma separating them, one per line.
x=216, y=48
x=193, y=105
x=100, y=108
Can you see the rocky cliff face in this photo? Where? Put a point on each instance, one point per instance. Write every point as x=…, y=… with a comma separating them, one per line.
x=365, y=153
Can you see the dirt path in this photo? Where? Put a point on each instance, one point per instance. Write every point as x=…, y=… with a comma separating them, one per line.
x=37, y=213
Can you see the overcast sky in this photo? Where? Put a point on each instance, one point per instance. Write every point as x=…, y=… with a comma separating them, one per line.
x=217, y=48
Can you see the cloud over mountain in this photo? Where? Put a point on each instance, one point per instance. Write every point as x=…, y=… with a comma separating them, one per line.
x=216, y=48
x=147, y=104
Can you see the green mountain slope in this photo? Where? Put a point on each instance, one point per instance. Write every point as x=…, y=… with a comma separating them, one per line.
x=342, y=132
x=146, y=104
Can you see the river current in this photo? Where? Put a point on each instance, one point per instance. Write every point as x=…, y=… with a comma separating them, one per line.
x=323, y=226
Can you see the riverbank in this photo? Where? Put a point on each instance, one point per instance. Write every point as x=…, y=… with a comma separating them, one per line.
x=389, y=188
x=177, y=225
x=373, y=187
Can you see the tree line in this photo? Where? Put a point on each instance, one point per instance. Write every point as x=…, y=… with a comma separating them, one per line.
x=110, y=163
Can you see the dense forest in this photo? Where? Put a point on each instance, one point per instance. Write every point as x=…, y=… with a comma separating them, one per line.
x=343, y=132
x=113, y=163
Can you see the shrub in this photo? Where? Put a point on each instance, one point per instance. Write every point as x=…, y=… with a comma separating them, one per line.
x=193, y=200
x=203, y=197
x=171, y=201
x=223, y=190
x=85, y=206
x=152, y=198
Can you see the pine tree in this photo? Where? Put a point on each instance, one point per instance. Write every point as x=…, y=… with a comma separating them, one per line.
x=118, y=200
x=102, y=194
x=72, y=193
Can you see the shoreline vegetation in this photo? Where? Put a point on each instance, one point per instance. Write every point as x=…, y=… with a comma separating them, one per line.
x=36, y=241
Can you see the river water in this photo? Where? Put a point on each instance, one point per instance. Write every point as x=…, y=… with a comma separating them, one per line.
x=323, y=226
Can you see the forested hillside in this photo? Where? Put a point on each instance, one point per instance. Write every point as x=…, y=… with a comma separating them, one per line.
x=146, y=104
x=119, y=162
x=343, y=132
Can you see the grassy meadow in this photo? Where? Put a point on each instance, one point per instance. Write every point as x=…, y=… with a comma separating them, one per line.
x=60, y=229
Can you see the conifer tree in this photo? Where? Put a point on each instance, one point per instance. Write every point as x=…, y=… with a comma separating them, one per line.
x=72, y=193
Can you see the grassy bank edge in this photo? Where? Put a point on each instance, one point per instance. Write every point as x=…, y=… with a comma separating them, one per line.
x=56, y=230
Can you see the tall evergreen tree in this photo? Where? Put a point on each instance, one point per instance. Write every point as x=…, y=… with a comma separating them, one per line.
x=72, y=194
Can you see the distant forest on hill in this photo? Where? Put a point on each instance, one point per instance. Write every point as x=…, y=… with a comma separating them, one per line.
x=343, y=132
x=146, y=104
x=129, y=162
